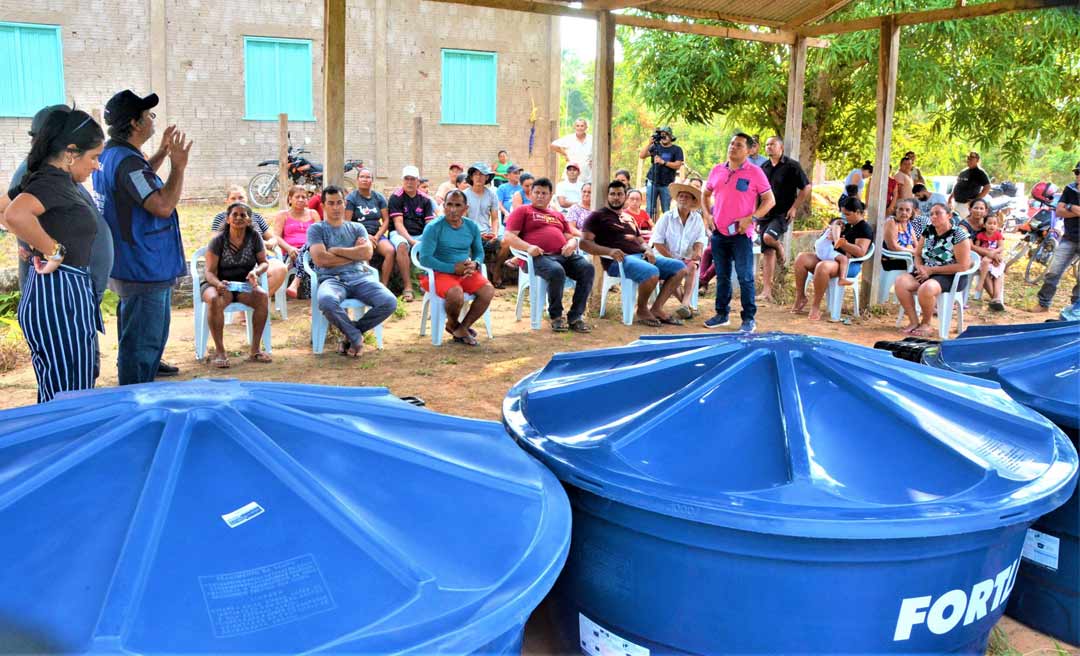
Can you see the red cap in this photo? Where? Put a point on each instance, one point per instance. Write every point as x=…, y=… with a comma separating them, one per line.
x=458, y=165
x=574, y=164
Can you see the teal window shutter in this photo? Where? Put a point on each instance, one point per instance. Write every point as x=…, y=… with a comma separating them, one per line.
x=277, y=79
x=469, y=87
x=31, y=68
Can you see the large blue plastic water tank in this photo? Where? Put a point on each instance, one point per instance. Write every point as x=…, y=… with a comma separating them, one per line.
x=1038, y=365
x=785, y=494
x=224, y=518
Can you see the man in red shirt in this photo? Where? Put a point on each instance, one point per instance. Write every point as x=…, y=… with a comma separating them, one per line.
x=553, y=245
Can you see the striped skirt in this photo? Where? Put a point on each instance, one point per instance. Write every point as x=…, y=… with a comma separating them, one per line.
x=60, y=319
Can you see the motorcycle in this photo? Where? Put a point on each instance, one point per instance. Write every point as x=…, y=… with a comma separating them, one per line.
x=263, y=187
x=1040, y=235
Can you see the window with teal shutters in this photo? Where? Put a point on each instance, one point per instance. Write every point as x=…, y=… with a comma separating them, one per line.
x=277, y=79
x=31, y=68
x=469, y=83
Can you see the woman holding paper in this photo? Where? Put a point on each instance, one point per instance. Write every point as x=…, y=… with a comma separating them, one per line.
x=235, y=258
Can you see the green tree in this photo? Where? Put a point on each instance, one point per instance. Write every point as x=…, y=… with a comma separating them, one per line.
x=992, y=83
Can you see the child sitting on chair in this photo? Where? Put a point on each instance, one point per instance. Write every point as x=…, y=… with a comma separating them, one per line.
x=825, y=250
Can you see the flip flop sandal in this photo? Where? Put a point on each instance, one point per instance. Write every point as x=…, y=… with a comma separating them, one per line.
x=221, y=362
x=684, y=312
x=651, y=323
x=408, y=296
x=671, y=321
x=472, y=333
x=580, y=326
x=260, y=357
x=467, y=341
x=559, y=325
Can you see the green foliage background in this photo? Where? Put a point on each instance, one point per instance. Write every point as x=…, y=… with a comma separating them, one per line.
x=1006, y=85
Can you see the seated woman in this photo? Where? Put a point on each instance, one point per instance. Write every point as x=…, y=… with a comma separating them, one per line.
x=276, y=274
x=856, y=237
x=634, y=199
x=900, y=235
x=578, y=212
x=235, y=258
x=522, y=197
x=291, y=226
x=943, y=251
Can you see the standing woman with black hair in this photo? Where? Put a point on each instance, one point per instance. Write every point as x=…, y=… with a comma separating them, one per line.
x=58, y=313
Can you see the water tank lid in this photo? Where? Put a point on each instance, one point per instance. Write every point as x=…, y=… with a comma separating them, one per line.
x=1037, y=364
x=791, y=434
x=224, y=517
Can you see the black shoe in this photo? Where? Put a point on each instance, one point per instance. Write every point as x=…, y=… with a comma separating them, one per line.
x=166, y=369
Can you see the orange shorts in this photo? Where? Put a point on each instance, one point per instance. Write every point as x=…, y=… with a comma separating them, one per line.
x=444, y=282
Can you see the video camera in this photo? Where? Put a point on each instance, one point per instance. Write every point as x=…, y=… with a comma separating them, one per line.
x=657, y=135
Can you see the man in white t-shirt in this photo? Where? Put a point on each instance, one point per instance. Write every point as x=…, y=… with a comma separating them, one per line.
x=568, y=192
x=577, y=147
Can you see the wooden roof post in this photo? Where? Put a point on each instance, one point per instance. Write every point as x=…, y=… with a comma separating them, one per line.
x=888, y=58
x=334, y=91
x=603, y=96
x=794, y=121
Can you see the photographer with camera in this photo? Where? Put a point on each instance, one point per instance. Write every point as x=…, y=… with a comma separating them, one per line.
x=667, y=158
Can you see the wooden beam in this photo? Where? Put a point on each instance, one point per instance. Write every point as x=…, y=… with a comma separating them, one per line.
x=936, y=15
x=816, y=12
x=334, y=91
x=888, y=60
x=524, y=5
x=795, y=99
x=662, y=8
x=603, y=98
x=283, y=161
x=613, y=5
x=781, y=36
x=794, y=119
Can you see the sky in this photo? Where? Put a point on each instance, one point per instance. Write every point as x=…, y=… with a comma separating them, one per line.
x=579, y=35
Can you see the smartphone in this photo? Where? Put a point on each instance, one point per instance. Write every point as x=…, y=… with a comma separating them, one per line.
x=733, y=229
x=239, y=287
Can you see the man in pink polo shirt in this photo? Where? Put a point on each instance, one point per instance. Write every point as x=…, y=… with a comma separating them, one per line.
x=732, y=195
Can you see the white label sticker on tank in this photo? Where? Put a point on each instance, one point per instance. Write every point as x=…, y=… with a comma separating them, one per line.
x=598, y=641
x=243, y=514
x=1041, y=549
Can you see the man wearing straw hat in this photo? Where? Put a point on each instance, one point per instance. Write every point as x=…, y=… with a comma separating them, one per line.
x=680, y=234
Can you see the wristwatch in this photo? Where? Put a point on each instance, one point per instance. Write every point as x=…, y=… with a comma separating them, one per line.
x=58, y=253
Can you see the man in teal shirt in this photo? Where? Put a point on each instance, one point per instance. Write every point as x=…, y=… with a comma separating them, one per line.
x=453, y=249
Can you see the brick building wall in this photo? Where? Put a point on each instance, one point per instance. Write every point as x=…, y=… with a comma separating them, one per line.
x=199, y=50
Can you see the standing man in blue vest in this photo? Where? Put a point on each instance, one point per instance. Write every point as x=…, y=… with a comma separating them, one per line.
x=141, y=212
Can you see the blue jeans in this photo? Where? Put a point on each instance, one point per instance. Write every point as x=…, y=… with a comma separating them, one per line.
x=662, y=192
x=143, y=329
x=363, y=287
x=737, y=250
x=1064, y=255
x=638, y=269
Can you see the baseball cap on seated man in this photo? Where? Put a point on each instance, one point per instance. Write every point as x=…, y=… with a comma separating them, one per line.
x=1076, y=169
x=126, y=106
x=410, y=172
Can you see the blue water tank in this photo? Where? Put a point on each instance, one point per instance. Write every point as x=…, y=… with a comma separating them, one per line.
x=219, y=517
x=1038, y=365
x=779, y=494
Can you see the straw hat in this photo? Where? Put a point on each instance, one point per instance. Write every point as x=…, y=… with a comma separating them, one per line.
x=676, y=187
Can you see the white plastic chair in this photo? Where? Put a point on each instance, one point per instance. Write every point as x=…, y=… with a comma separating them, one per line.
x=888, y=278
x=435, y=307
x=537, y=288
x=628, y=288
x=834, y=295
x=280, y=298
x=947, y=300
x=320, y=324
x=202, y=318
